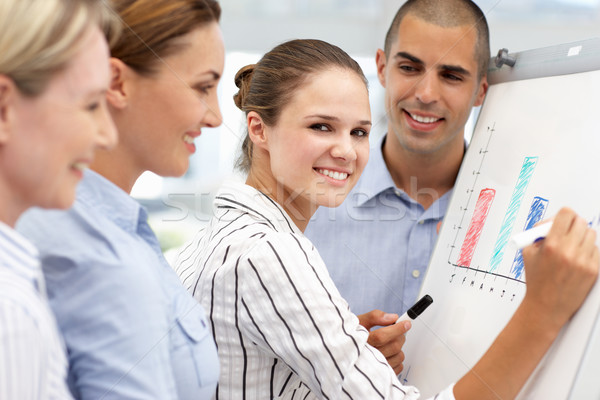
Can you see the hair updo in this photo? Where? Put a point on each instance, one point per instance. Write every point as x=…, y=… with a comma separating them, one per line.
x=268, y=86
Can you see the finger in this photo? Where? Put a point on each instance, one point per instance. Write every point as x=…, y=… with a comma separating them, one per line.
x=589, y=243
x=392, y=346
x=397, y=363
x=376, y=318
x=579, y=230
x=392, y=350
x=382, y=336
x=562, y=222
x=368, y=320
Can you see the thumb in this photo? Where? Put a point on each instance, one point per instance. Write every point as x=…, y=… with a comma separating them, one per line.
x=376, y=318
x=438, y=227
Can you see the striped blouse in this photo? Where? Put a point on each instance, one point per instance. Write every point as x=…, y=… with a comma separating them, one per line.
x=33, y=364
x=281, y=327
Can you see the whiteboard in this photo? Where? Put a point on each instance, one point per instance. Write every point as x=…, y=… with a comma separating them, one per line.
x=535, y=149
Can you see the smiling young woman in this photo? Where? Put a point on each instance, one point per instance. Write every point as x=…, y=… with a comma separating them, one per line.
x=282, y=328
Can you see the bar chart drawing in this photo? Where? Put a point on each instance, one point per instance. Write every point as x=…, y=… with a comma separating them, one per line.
x=482, y=208
x=508, y=222
x=520, y=168
x=535, y=215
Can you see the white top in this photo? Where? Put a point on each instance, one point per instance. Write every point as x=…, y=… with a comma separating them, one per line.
x=32, y=358
x=281, y=327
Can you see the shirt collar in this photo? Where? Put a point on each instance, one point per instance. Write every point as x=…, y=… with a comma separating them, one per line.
x=111, y=201
x=248, y=199
x=18, y=253
x=375, y=178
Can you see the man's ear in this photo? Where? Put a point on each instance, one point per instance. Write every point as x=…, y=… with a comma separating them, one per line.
x=380, y=60
x=8, y=92
x=482, y=90
x=257, y=130
x=118, y=91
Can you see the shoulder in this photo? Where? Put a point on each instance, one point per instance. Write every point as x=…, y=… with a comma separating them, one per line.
x=26, y=318
x=287, y=252
x=62, y=231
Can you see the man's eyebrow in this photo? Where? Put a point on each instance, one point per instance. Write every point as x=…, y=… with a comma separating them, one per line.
x=408, y=56
x=455, y=68
x=444, y=67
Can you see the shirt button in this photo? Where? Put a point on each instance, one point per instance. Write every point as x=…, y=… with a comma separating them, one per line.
x=416, y=273
x=398, y=193
x=421, y=222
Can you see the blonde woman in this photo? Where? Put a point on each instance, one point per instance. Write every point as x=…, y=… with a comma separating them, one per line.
x=131, y=329
x=54, y=73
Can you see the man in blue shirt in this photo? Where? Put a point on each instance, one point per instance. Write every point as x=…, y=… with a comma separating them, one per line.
x=378, y=243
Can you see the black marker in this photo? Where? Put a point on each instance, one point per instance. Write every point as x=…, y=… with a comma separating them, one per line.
x=417, y=309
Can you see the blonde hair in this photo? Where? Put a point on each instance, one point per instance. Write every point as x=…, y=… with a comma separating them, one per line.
x=39, y=37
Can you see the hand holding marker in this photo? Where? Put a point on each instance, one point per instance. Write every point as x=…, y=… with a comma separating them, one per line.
x=525, y=238
x=416, y=310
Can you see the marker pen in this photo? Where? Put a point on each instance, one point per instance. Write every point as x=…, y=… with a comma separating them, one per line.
x=417, y=309
x=525, y=238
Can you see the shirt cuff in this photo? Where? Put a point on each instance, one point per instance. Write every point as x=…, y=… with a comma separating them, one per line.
x=446, y=394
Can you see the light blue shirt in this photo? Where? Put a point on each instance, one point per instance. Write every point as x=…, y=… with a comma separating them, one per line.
x=33, y=364
x=131, y=329
x=377, y=244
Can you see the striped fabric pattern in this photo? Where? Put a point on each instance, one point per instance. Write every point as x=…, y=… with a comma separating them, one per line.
x=32, y=359
x=281, y=327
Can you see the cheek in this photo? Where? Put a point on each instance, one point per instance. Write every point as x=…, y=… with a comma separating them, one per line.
x=362, y=155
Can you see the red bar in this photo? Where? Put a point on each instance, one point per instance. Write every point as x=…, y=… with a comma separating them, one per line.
x=482, y=207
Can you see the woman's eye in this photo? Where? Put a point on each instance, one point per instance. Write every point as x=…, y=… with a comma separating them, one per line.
x=93, y=106
x=319, y=127
x=204, y=89
x=360, y=132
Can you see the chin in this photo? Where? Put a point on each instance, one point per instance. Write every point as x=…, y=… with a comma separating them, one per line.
x=334, y=201
x=174, y=171
x=62, y=202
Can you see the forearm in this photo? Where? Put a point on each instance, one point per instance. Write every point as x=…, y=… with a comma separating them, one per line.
x=508, y=363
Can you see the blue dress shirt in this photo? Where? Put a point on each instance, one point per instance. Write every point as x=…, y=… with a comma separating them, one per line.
x=377, y=244
x=131, y=329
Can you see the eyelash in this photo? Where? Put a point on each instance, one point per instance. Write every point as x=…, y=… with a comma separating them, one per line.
x=452, y=77
x=360, y=132
x=447, y=75
x=355, y=132
x=204, y=89
x=318, y=127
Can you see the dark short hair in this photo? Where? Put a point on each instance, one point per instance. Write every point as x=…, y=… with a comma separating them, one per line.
x=446, y=13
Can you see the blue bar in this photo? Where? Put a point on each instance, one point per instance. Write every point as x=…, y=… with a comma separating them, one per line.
x=536, y=214
x=513, y=208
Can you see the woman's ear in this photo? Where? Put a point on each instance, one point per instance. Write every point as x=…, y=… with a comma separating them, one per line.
x=118, y=91
x=8, y=92
x=257, y=130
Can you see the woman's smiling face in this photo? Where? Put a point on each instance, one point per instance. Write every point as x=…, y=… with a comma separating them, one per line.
x=319, y=146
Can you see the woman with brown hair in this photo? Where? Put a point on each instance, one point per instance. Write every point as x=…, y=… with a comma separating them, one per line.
x=131, y=330
x=282, y=328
